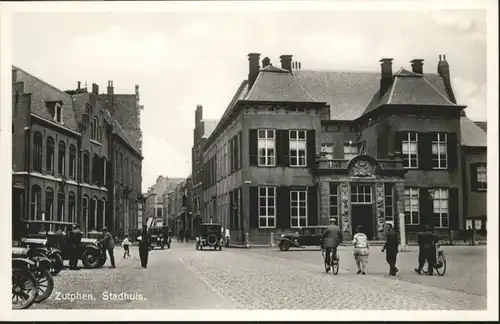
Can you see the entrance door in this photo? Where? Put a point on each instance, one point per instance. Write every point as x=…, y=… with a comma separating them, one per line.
x=363, y=215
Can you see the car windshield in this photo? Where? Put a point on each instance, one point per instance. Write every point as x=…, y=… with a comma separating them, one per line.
x=155, y=231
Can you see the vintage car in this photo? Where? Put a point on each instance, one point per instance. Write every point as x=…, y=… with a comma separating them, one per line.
x=54, y=236
x=209, y=235
x=158, y=236
x=302, y=237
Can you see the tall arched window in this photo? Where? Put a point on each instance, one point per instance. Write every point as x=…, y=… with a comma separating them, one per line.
x=104, y=212
x=85, y=212
x=62, y=158
x=100, y=214
x=49, y=204
x=36, y=203
x=49, y=166
x=37, y=151
x=94, y=129
x=96, y=170
x=104, y=170
x=72, y=161
x=61, y=203
x=93, y=214
x=86, y=167
x=72, y=207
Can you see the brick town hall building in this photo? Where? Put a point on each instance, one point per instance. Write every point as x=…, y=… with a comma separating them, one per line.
x=76, y=155
x=296, y=147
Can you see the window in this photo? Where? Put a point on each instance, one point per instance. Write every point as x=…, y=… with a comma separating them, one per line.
x=327, y=149
x=96, y=170
x=410, y=150
x=72, y=207
x=226, y=158
x=94, y=129
x=36, y=203
x=439, y=151
x=60, y=206
x=440, y=207
x=61, y=167
x=351, y=150
x=72, y=161
x=57, y=112
x=104, y=171
x=267, y=207
x=158, y=212
x=361, y=194
x=100, y=211
x=37, y=152
x=86, y=167
x=482, y=178
x=298, y=148
x=103, y=212
x=266, y=145
x=334, y=201
x=298, y=208
x=412, y=213
x=50, y=155
x=49, y=204
x=93, y=214
x=389, y=201
x=85, y=212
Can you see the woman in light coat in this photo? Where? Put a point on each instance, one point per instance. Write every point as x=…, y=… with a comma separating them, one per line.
x=361, y=250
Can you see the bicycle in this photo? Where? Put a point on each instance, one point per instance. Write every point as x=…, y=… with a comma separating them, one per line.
x=440, y=265
x=334, y=264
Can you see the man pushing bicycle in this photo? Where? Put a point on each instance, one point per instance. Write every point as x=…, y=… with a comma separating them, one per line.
x=330, y=240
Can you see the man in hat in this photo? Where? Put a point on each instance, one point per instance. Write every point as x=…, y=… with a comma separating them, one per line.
x=109, y=244
x=427, y=250
x=391, y=248
x=75, y=237
x=331, y=239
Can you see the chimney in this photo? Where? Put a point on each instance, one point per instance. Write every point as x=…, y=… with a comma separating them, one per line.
x=198, y=114
x=253, y=69
x=266, y=62
x=386, y=75
x=79, y=85
x=95, y=89
x=110, y=88
x=286, y=62
x=443, y=70
x=417, y=66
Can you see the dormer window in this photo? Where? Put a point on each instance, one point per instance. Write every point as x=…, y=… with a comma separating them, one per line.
x=56, y=111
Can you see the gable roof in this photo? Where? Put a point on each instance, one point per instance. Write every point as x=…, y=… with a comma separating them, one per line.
x=471, y=133
x=42, y=92
x=118, y=130
x=483, y=125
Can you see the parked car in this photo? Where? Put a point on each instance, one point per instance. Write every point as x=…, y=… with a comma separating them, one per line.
x=302, y=237
x=89, y=251
x=209, y=235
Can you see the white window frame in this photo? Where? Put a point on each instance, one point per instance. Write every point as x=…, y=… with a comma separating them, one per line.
x=328, y=149
x=481, y=169
x=409, y=194
x=35, y=203
x=58, y=113
x=362, y=193
x=348, y=150
x=389, y=195
x=295, y=204
x=407, y=153
x=269, y=159
x=270, y=193
x=439, y=140
x=441, y=206
x=294, y=143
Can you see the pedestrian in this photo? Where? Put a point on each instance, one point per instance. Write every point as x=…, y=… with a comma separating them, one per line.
x=228, y=237
x=144, y=247
x=109, y=244
x=58, y=238
x=471, y=235
x=391, y=249
x=75, y=238
x=330, y=240
x=126, y=246
x=361, y=250
x=187, y=236
x=427, y=250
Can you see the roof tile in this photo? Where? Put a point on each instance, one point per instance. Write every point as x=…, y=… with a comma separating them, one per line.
x=471, y=133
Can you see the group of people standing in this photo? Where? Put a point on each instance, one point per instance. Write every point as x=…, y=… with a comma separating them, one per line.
x=332, y=238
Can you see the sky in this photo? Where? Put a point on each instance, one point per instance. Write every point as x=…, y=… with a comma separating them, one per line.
x=181, y=59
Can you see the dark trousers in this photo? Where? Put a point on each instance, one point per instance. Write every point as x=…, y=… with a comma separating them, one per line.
x=111, y=256
x=391, y=257
x=127, y=251
x=330, y=251
x=143, y=254
x=427, y=255
x=73, y=260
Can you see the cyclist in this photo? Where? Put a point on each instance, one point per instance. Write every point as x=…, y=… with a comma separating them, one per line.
x=427, y=249
x=331, y=239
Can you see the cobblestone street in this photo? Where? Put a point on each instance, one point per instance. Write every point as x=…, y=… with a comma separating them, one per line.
x=183, y=278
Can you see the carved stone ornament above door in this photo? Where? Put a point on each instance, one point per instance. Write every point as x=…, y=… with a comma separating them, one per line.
x=362, y=166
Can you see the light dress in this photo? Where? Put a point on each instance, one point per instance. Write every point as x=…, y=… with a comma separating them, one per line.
x=361, y=250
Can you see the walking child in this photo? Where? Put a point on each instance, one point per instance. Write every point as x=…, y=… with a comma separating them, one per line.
x=361, y=250
x=126, y=246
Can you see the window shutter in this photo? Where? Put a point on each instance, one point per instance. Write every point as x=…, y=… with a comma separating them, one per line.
x=312, y=206
x=239, y=215
x=473, y=177
x=425, y=207
x=283, y=207
x=240, y=150
x=254, y=207
x=285, y=147
x=452, y=148
x=425, y=151
x=398, y=142
x=453, y=208
x=311, y=150
x=253, y=147
x=280, y=157
x=231, y=209
x=230, y=156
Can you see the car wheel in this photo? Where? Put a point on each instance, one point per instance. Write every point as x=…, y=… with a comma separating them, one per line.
x=57, y=264
x=45, y=284
x=285, y=246
x=24, y=288
x=92, y=259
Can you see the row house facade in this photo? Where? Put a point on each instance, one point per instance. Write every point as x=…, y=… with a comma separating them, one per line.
x=179, y=210
x=295, y=148
x=62, y=155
